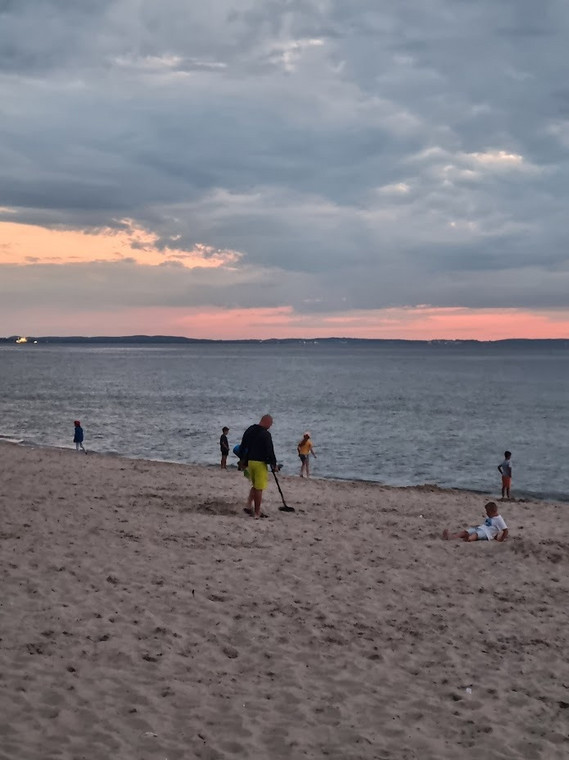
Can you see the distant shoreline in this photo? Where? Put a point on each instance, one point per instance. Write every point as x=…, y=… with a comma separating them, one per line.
x=177, y=340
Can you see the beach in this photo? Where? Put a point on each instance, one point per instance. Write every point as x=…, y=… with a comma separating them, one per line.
x=145, y=617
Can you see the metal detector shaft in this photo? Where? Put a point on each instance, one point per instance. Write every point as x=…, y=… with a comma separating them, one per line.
x=285, y=507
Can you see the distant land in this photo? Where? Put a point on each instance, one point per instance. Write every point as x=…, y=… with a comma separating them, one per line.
x=176, y=340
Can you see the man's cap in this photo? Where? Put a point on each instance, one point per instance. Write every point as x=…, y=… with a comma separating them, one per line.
x=307, y=434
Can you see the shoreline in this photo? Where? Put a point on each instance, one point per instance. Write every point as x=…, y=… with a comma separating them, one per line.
x=522, y=497
x=145, y=615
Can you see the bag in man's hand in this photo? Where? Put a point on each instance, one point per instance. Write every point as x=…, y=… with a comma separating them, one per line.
x=243, y=461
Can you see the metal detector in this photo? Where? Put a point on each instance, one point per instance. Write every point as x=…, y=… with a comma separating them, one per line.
x=285, y=507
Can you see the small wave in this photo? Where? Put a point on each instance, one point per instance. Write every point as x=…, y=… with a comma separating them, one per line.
x=11, y=439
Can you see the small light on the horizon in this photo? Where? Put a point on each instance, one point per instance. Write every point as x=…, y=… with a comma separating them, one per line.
x=21, y=340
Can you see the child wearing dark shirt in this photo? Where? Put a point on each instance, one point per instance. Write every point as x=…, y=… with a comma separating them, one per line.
x=224, y=447
x=78, y=437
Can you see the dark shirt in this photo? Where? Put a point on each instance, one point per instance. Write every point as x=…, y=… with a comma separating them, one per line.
x=78, y=437
x=258, y=443
x=223, y=444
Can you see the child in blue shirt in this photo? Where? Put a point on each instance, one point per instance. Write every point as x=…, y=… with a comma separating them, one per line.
x=78, y=437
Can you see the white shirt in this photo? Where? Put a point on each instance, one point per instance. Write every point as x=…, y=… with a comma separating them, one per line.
x=492, y=526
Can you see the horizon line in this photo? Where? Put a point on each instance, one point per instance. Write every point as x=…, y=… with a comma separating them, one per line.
x=30, y=339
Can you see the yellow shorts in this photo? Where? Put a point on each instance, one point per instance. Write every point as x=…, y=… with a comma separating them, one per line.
x=258, y=475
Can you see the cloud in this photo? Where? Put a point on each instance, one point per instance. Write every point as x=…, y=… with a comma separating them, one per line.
x=339, y=155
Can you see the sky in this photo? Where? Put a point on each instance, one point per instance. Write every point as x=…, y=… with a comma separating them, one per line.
x=284, y=168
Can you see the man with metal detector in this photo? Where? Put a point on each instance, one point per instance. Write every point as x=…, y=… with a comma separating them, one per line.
x=255, y=453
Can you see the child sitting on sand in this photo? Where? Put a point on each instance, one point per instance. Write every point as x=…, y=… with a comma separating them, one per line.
x=493, y=527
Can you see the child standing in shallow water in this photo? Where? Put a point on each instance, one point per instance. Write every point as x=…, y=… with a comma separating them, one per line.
x=305, y=449
x=78, y=437
x=493, y=527
x=506, y=472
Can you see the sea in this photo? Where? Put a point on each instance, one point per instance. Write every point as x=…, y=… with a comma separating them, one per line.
x=402, y=415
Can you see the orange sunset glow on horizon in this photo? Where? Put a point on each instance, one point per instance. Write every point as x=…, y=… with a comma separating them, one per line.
x=27, y=245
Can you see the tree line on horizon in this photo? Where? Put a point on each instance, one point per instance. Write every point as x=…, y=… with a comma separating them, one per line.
x=174, y=339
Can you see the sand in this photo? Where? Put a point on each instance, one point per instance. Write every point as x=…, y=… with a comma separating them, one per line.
x=145, y=617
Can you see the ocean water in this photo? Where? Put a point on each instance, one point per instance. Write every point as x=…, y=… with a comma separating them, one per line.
x=400, y=415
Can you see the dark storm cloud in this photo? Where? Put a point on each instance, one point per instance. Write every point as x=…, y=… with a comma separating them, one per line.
x=111, y=285
x=125, y=283
x=380, y=154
